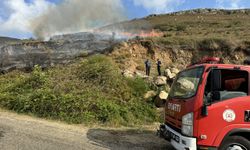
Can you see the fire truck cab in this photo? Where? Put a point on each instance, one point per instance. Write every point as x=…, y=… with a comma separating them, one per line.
x=208, y=107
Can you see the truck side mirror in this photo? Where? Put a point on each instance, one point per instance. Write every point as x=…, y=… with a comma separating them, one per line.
x=204, y=110
x=215, y=96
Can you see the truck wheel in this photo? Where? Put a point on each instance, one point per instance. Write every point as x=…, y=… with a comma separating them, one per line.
x=235, y=143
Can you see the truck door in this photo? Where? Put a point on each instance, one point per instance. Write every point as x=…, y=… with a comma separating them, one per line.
x=224, y=91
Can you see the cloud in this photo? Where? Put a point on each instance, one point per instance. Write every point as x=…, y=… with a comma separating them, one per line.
x=229, y=4
x=43, y=18
x=77, y=15
x=15, y=15
x=159, y=6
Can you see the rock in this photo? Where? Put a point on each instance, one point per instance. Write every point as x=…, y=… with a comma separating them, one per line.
x=124, y=44
x=128, y=74
x=150, y=94
x=140, y=74
x=160, y=100
x=236, y=57
x=173, y=76
x=161, y=80
x=175, y=71
x=163, y=95
x=169, y=74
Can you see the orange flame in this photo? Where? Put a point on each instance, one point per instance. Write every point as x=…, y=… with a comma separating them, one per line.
x=142, y=33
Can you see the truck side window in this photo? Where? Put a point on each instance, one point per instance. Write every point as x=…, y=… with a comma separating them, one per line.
x=234, y=83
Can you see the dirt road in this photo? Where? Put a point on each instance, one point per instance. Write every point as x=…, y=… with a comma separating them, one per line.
x=20, y=132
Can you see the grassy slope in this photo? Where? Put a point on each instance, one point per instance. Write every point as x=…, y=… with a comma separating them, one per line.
x=188, y=27
x=197, y=33
x=92, y=91
x=233, y=24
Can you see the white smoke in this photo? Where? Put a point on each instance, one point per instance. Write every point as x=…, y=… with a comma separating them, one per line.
x=15, y=15
x=77, y=15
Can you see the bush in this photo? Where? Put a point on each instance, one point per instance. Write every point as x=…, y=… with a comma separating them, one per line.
x=215, y=44
x=99, y=70
x=181, y=28
x=92, y=91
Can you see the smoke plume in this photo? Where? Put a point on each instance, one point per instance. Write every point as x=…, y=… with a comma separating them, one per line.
x=77, y=15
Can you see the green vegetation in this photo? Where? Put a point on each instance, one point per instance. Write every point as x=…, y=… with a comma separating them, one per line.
x=194, y=24
x=92, y=91
x=216, y=44
x=206, y=44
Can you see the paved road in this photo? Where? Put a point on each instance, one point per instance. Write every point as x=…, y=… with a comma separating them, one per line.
x=19, y=132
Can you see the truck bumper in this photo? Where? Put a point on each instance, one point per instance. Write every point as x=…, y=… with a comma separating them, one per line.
x=178, y=141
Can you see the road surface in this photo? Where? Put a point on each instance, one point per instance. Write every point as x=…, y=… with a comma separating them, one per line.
x=20, y=132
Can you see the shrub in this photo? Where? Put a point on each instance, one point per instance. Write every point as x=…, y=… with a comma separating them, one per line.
x=181, y=28
x=37, y=77
x=215, y=44
x=92, y=91
x=99, y=70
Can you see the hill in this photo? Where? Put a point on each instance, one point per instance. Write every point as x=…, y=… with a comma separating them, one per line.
x=61, y=49
x=4, y=40
x=185, y=37
x=91, y=89
x=193, y=24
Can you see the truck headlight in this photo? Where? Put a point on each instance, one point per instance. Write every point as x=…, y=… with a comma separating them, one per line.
x=187, y=124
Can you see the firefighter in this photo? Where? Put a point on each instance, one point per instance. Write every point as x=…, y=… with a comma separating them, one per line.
x=148, y=67
x=158, y=66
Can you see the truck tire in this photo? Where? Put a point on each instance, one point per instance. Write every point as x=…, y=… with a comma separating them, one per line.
x=235, y=143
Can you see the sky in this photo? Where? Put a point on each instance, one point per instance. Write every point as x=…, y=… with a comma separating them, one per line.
x=16, y=15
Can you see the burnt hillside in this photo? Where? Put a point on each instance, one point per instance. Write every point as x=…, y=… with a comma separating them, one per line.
x=5, y=40
x=186, y=37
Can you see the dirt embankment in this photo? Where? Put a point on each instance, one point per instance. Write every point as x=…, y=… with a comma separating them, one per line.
x=131, y=55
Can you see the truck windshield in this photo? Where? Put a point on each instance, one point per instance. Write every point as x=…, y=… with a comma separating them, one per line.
x=186, y=83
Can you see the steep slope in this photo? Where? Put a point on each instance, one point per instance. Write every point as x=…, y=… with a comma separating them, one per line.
x=186, y=37
x=131, y=55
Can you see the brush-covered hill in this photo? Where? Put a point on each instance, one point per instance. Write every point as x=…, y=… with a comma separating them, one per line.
x=92, y=89
x=186, y=37
x=5, y=40
x=88, y=91
x=193, y=24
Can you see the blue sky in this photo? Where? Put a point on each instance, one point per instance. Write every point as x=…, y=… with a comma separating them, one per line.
x=135, y=11
x=16, y=15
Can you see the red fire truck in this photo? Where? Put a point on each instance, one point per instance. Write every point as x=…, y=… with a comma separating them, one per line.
x=208, y=107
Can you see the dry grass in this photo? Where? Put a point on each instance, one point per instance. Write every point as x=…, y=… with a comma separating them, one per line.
x=223, y=24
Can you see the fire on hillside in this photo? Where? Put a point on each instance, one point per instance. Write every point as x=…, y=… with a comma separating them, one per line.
x=130, y=34
x=142, y=33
